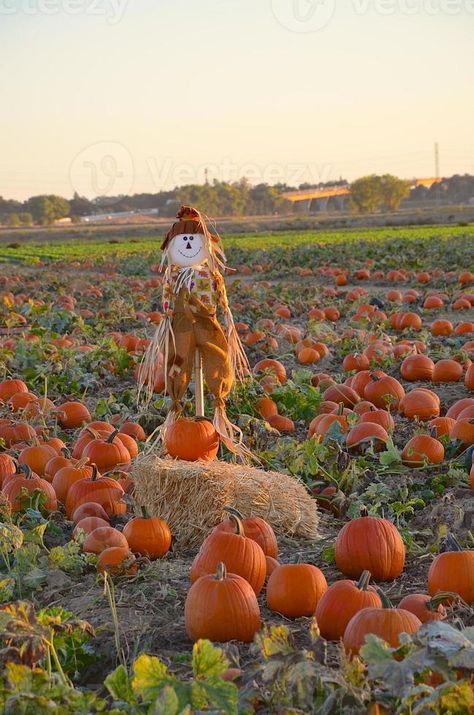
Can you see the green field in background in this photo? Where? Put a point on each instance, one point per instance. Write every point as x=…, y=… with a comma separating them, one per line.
x=89, y=247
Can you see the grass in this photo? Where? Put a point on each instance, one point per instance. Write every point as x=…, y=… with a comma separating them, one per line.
x=90, y=248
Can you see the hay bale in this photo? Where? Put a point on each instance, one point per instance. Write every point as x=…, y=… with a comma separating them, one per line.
x=191, y=497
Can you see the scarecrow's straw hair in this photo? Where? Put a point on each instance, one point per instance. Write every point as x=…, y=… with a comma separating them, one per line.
x=191, y=496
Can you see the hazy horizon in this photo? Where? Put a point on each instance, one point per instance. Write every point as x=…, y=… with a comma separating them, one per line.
x=115, y=96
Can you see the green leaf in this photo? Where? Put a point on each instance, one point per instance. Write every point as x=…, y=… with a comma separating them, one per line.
x=208, y=660
x=167, y=703
x=221, y=695
x=36, y=535
x=119, y=686
x=150, y=676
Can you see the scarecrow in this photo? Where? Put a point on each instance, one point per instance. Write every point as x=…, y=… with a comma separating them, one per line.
x=190, y=334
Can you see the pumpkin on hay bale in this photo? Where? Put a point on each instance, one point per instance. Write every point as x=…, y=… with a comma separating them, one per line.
x=191, y=497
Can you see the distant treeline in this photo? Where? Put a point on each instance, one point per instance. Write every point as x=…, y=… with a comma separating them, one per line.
x=239, y=198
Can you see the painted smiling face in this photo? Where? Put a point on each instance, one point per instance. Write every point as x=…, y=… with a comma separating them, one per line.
x=188, y=249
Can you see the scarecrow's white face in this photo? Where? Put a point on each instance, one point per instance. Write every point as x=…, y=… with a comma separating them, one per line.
x=188, y=249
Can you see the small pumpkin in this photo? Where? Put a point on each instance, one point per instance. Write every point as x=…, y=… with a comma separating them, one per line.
x=384, y=391
x=447, y=371
x=365, y=434
x=107, y=453
x=8, y=388
x=148, y=535
x=424, y=607
x=417, y=368
x=89, y=509
x=342, y=600
x=37, y=457
x=88, y=524
x=192, y=439
x=294, y=590
x=7, y=466
x=67, y=476
x=73, y=414
x=27, y=480
x=221, y=607
x=117, y=561
x=102, y=538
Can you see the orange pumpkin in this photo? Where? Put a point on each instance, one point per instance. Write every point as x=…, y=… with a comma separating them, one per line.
x=379, y=417
x=447, y=371
x=460, y=405
x=386, y=623
x=242, y=556
x=67, y=476
x=423, y=606
x=421, y=449
x=7, y=467
x=8, y=388
x=192, y=439
x=103, y=538
x=370, y=544
x=37, y=457
x=88, y=524
x=148, y=536
x=365, y=434
x=107, y=453
x=103, y=490
x=453, y=572
x=441, y=426
x=342, y=600
x=89, y=509
x=417, y=368
x=294, y=590
x=255, y=528
x=384, y=391
x=420, y=403
x=29, y=482
x=463, y=431
x=275, y=367
x=221, y=607
x=117, y=561
x=73, y=414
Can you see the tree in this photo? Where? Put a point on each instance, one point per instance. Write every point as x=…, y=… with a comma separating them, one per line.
x=13, y=221
x=46, y=209
x=26, y=218
x=366, y=193
x=80, y=206
x=393, y=191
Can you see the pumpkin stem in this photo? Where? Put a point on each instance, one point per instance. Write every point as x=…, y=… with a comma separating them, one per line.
x=221, y=571
x=65, y=452
x=95, y=472
x=340, y=409
x=364, y=580
x=234, y=511
x=364, y=511
x=112, y=436
x=81, y=463
x=433, y=603
x=386, y=602
x=452, y=544
x=145, y=512
x=239, y=529
x=26, y=469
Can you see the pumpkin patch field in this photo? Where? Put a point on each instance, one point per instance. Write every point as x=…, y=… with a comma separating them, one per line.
x=361, y=347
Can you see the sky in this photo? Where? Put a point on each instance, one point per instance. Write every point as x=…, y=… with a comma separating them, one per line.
x=128, y=96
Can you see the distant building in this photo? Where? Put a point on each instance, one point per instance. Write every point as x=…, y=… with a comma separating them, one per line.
x=118, y=216
x=62, y=221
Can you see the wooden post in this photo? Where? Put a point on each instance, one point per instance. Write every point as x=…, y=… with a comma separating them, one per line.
x=198, y=385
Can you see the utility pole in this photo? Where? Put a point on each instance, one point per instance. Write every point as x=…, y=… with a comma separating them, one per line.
x=206, y=176
x=436, y=157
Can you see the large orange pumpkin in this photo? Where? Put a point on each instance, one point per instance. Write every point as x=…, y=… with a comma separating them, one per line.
x=221, y=607
x=384, y=391
x=103, y=490
x=420, y=403
x=342, y=600
x=416, y=368
x=255, y=528
x=370, y=544
x=294, y=590
x=453, y=572
x=8, y=388
x=422, y=448
x=192, y=439
x=387, y=623
x=241, y=555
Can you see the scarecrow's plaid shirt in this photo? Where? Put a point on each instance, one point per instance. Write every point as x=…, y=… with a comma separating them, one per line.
x=205, y=285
